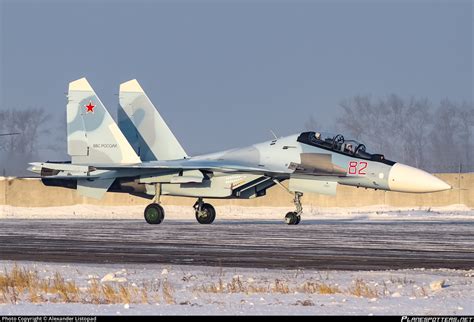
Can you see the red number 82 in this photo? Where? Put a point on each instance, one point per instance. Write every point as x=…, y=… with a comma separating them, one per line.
x=357, y=167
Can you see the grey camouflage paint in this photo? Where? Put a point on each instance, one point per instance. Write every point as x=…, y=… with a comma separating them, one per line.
x=95, y=140
x=93, y=136
x=153, y=138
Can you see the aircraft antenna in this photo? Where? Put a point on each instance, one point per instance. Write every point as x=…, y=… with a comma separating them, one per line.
x=274, y=135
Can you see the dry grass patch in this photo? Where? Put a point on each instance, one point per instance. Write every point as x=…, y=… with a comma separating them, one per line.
x=310, y=287
x=236, y=285
x=359, y=288
x=168, y=293
x=280, y=287
x=362, y=289
x=20, y=284
x=67, y=291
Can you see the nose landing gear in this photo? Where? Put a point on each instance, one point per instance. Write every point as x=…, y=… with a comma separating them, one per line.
x=294, y=217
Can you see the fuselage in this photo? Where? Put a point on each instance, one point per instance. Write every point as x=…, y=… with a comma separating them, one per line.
x=148, y=160
x=299, y=158
x=310, y=165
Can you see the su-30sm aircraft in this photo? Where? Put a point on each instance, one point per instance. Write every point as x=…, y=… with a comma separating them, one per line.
x=142, y=157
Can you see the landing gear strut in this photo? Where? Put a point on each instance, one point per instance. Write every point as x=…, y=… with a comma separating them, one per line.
x=154, y=213
x=294, y=217
x=205, y=213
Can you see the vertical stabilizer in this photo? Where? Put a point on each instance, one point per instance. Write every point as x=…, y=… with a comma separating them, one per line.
x=144, y=126
x=93, y=136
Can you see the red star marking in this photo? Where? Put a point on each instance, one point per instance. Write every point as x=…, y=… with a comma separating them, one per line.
x=90, y=107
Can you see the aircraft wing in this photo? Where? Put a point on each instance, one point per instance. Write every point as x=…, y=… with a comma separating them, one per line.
x=108, y=170
x=190, y=164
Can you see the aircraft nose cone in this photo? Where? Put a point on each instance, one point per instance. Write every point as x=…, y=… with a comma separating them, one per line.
x=404, y=178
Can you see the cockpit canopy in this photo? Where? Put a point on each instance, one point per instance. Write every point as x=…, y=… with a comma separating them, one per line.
x=337, y=143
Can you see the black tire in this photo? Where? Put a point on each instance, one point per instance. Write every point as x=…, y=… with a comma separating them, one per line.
x=207, y=215
x=298, y=219
x=154, y=214
x=291, y=218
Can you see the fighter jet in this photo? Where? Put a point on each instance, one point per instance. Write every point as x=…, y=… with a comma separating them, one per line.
x=148, y=161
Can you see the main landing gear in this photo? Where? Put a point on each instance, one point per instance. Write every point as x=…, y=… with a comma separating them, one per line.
x=205, y=213
x=154, y=214
x=294, y=217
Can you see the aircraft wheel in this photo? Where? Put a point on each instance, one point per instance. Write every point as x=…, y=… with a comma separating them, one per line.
x=292, y=218
x=298, y=219
x=154, y=214
x=206, y=215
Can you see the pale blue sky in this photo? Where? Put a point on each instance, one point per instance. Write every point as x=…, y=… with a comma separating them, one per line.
x=224, y=73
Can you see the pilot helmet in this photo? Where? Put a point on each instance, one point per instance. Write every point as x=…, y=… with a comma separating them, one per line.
x=318, y=135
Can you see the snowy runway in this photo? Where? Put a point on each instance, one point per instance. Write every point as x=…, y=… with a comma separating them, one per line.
x=314, y=244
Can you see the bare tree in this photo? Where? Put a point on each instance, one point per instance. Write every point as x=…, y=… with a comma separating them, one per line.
x=416, y=127
x=393, y=126
x=466, y=133
x=29, y=123
x=412, y=131
x=311, y=124
x=20, y=149
x=451, y=136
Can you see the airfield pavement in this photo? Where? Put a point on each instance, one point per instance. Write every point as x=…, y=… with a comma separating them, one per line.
x=324, y=244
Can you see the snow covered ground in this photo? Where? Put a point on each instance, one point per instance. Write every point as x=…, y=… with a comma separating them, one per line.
x=371, y=213
x=172, y=289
